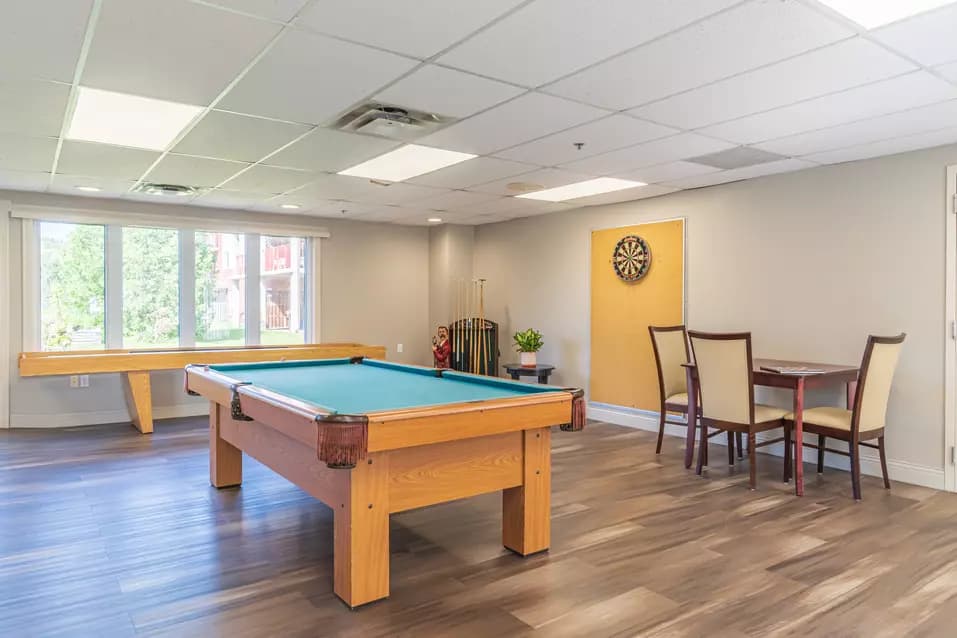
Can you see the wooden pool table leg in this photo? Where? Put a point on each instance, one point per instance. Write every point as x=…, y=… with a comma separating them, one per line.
x=139, y=400
x=225, y=460
x=362, y=533
x=526, y=509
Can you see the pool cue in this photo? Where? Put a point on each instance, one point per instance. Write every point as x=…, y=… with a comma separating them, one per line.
x=482, y=323
x=457, y=341
x=474, y=343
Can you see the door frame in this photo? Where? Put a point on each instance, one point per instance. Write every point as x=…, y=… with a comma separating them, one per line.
x=950, y=330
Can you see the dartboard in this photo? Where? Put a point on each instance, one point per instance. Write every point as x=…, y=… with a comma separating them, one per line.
x=632, y=258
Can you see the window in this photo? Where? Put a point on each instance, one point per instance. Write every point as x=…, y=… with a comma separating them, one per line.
x=220, y=289
x=282, y=290
x=72, y=286
x=150, y=288
x=111, y=286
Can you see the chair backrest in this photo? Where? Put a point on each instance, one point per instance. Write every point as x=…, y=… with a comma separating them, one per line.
x=874, y=385
x=725, y=376
x=670, y=344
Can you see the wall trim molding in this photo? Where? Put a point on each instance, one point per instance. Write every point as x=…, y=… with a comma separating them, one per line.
x=901, y=471
x=76, y=419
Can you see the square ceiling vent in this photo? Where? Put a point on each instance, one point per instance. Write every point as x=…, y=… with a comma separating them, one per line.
x=739, y=157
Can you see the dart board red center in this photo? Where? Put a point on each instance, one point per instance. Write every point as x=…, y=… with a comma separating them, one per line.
x=632, y=258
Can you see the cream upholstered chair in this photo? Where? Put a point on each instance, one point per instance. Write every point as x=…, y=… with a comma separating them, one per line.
x=670, y=344
x=726, y=387
x=866, y=420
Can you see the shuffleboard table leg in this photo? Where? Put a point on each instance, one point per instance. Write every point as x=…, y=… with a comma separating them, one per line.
x=225, y=459
x=139, y=399
x=362, y=533
x=526, y=509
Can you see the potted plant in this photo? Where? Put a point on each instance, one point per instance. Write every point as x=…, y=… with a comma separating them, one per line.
x=527, y=343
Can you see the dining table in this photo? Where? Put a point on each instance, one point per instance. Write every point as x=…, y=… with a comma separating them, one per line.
x=799, y=376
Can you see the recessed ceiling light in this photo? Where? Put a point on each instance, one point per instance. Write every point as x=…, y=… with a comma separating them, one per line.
x=582, y=189
x=435, y=220
x=405, y=162
x=289, y=206
x=89, y=189
x=128, y=120
x=874, y=13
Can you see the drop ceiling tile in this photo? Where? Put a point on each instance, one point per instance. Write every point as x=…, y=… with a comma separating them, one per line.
x=32, y=107
x=23, y=180
x=269, y=179
x=43, y=37
x=432, y=26
x=668, y=149
x=135, y=51
x=737, y=174
x=279, y=10
x=555, y=37
x=435, y=89
x=193, y=171
x=600, y=136
x=833, y=68
x=515, y=207
x=479, y=170
x=104, y=160
x=453, y=200
x=896, y=94
x=311, y=205
x=310, y=78
x=222, y=198
x=237, y=137
x=928, y=38
x=746, y=37
x=919, y=120
x=363, y=191
x=388, y=214
x=949, y=71
x=887, y=147
x=328, y=150
x=524, y=118
x=666, y=172
x=537, y=180
x=67, y=185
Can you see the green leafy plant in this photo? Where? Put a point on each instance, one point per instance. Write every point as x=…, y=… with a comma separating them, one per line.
x=528, y=340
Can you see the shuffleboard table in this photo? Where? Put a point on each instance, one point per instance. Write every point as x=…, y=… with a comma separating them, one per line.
x=370, y=438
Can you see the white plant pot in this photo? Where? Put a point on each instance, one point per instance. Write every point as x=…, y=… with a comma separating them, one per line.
x=528, y=359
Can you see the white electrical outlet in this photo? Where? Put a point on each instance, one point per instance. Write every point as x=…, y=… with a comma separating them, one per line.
x=74, y=381
x=398, y=347
x=84, y=381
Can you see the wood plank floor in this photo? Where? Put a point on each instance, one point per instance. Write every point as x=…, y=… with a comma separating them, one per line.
x=104, y=532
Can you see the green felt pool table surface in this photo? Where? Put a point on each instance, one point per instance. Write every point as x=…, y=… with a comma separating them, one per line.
x=344, y=387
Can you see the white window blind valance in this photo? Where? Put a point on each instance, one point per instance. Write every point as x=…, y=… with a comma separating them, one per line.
x=175, y=221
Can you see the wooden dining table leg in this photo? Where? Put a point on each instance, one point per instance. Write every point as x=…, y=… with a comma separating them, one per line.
x=851, y=393
x=692, y=417
x=799, y=436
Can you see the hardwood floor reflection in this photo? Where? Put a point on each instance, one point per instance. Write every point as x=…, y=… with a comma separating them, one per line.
x=106, y=532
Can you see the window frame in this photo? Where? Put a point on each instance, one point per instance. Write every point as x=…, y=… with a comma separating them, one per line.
x=113, y=248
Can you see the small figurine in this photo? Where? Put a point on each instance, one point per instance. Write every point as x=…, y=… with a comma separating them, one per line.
x=441, y=348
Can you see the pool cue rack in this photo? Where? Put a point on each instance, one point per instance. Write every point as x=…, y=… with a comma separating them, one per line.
x=473, y=338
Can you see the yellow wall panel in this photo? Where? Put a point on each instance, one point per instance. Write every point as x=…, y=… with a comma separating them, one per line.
x=622, y=361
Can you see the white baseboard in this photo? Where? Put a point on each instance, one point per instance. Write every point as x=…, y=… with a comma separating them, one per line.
x=76, y=419
x=870, y=463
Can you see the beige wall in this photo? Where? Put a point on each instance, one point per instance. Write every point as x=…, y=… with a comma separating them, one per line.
x=810, y=262
x=451, y=253
x=374, y=289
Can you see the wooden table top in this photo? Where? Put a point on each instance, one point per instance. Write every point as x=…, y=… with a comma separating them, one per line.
x=828, y=368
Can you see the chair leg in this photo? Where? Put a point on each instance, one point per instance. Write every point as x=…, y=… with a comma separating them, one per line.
x=855, y=454
x=752, y=461
x=821, y=440
x=730, y=448
x=737, y=437
x=702, y=449
x=661, y=430
x=880, y=447
x=787, y=453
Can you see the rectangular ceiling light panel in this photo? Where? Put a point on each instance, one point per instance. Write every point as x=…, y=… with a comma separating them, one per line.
x=582, y=189
x=128, y=120
x=406, y=162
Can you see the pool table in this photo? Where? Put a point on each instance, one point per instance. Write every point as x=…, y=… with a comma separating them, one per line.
x=369, y=438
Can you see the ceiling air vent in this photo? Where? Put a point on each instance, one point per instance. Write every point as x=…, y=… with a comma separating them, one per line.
x=394, y=122
x=166, y=190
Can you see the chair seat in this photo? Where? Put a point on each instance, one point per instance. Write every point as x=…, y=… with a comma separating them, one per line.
x=678, y=399
x=828, y=417
x=764, y=413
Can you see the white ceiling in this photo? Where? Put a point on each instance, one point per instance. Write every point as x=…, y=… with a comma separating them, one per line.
x=644, y=85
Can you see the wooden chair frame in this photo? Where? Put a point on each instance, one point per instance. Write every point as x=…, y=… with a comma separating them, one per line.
x=852, y=437
x=665, y=406
x=751, y=428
